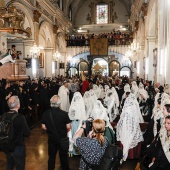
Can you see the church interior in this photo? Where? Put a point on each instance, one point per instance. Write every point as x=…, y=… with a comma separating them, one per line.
x=67, y=38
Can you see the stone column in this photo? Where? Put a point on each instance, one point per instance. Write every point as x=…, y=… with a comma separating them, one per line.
x=26, y=53
x=55, y=29
x=167, y=78
x=3, y=42
x=48, y=58
x=150, y=47
x=36, y=15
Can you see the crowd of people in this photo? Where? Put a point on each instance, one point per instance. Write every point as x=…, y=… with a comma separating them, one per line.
x=114, y=38
x=67, y=105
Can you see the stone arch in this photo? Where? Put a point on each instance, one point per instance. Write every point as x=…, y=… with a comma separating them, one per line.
x=46, y=33
x=61, y=43
x=28, y=16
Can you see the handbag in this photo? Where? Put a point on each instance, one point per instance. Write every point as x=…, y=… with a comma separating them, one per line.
x=64, y=142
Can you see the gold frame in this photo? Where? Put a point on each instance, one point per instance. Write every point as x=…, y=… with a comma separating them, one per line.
x=41, y=60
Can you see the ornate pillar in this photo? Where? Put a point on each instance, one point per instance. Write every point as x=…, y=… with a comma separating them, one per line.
x=167, y=78
x=150, y=47
x=2, y=3
x=26, y=53
x=56, y=63
x=37, y=15
x=48, y=62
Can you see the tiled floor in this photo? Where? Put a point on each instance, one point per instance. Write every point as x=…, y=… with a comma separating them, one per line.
x=37, y=155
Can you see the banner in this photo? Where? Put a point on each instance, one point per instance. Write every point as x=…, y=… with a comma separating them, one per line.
x=99, y=46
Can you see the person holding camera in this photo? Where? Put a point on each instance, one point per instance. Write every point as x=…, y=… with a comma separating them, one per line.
x=93, y=147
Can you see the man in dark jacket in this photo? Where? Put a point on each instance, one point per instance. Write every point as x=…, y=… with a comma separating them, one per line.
x=56, y=130
x=17, y=157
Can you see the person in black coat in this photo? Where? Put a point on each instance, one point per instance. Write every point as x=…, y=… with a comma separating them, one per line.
x=17, y=157
x=44, y=97
x=56, y=130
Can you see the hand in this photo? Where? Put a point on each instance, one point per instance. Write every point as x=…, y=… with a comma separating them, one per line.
x=153, y=160
x=84, y=125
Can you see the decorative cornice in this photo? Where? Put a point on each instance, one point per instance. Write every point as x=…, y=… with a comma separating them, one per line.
x=55, y=29
x=37, y=15
x=139, y=10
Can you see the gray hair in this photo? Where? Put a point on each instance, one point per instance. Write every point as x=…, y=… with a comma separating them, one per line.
x=13, y=102
x=55, y=101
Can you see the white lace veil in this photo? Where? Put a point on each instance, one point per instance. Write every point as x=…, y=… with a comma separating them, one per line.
x=102, y=94
x=77, y=108
x=97, y=90
x=106, y=87
x=99, y=112
x=127, y=88
x=165, y=141
x=134, y=88
x=110, y=102
x=128, y=129
x=142, y=91
x=116, y=96
x=87, y=102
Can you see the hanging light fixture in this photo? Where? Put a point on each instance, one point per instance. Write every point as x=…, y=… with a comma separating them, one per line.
x=134, y=46
x=35, y=51
x=56, y=56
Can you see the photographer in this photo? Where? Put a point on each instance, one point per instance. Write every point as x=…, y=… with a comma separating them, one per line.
x=92, y=147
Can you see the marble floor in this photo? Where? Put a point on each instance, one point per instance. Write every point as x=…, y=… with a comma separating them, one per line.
x=37, y=155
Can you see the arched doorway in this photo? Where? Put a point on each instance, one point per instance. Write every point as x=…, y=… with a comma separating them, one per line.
x=126, y=71
x=114, y=68
x=72, y=71
x=99, y=67
x=83, y=67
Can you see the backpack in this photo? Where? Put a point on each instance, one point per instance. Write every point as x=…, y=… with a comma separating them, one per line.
x=111, y=158
x=7, y=137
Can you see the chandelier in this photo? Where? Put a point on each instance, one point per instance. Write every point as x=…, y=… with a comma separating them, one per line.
x=134, y=46
x=129, y=54
x=56, y=56
x=69, y=58
x=35, y=51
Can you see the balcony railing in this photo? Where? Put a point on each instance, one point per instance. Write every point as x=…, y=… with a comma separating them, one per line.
x=111, y=41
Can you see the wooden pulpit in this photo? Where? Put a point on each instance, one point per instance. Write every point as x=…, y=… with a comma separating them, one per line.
x=14, y=71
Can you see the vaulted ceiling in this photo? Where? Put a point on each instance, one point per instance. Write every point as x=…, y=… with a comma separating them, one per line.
x=78, y=10
x=76, y=4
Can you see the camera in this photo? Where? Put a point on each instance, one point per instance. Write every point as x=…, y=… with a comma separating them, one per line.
x=89, y=125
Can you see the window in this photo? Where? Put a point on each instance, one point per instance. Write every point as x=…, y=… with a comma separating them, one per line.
x=138, y=68
x=60, y=4
x=102, y=14
x=70, y=13
x=147, y=66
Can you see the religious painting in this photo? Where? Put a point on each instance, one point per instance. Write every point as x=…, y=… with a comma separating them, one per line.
x=135, y=63
x=41, y=60
x=99, y=46
x=155, y=60
x=155, y=57
x=62, y=66
x=102, y=14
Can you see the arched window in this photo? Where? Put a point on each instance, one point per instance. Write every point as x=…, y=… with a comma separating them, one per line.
x=70, y=13
x=102, y=13
x=60, y=4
